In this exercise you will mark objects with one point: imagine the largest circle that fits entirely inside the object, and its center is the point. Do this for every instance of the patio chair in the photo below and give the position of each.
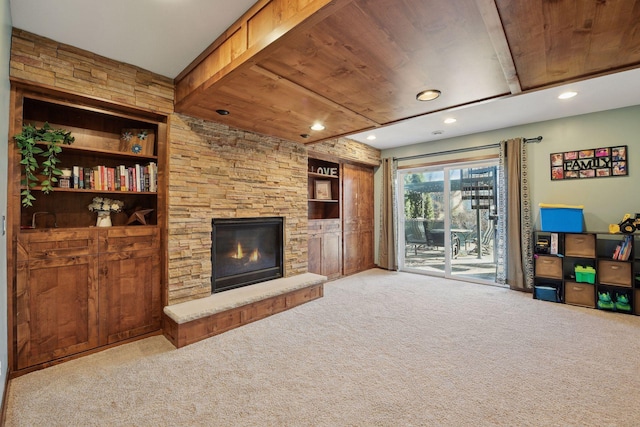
(415, 236)
(436, 239)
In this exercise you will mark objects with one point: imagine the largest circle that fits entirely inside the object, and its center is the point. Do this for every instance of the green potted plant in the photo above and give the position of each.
(44, 142)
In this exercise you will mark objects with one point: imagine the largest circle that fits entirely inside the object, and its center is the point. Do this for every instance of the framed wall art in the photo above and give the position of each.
(323, 190)
(591, 163)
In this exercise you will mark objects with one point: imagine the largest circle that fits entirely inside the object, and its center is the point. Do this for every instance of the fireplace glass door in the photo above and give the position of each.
(246, 251)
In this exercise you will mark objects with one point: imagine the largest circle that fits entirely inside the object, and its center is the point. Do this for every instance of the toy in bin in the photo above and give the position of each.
(542, 245)
(585, 274)
(604, 301)
(622, 303)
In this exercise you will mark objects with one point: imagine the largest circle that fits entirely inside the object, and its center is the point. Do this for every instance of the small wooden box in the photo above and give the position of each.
(549, 266)
(580, 294)
(616, 273)
(137, 141)
(580, 245)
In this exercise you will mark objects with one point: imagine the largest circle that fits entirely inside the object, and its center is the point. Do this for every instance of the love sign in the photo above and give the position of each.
(331, 171)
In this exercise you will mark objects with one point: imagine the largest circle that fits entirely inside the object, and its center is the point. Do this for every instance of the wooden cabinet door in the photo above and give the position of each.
(129, 283)
(56, 296)
(314, 244)
(332, 255)
(350, 251)
(325, 248)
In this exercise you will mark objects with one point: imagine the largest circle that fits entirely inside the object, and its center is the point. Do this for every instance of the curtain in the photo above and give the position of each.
(518, 233)
(387, 242)
(501, 223)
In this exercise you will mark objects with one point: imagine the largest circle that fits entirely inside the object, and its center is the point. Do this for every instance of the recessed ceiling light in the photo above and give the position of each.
(304, 135)
(222, 112)
(317, 126)
(428, 95)
(567, 95)
(371, 137)
(450, 120)
(437, 132)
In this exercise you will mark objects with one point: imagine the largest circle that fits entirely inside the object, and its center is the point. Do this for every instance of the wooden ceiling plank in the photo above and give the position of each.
(554, 42)
(271, 106)
(374, 57)
(309, 93)
(615, 34)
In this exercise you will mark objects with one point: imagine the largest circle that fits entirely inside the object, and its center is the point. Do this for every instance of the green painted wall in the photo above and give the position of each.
(605, 200)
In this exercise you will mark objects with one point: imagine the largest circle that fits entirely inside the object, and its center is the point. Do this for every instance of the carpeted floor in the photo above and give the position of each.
(380, 349)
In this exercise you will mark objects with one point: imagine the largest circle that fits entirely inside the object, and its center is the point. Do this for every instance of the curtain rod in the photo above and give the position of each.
(464, 150)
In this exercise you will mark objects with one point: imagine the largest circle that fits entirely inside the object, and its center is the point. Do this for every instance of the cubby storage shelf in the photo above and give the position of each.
(585, 269)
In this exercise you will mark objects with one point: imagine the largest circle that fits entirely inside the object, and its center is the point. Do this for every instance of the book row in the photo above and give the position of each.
(137, 178)
(623, 250)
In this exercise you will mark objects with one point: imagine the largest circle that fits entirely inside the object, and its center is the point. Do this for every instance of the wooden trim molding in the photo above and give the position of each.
(448, 162)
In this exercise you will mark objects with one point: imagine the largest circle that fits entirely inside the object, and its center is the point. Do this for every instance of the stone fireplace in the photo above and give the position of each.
(220, 172)
(245, 251)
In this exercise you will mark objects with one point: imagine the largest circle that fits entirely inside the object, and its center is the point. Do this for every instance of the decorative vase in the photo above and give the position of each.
(104, 219)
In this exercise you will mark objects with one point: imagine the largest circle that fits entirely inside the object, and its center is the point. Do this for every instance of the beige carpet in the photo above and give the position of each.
(380, 349)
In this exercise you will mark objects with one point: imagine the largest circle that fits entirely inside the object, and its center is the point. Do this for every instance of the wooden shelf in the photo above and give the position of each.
(91, 190)
(324, 201)
(321, 175)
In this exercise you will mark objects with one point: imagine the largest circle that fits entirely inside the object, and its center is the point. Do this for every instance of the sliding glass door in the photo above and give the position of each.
(447, 218)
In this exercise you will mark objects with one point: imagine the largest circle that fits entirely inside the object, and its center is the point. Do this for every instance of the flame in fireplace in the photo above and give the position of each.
(255, 256)
(239, 254)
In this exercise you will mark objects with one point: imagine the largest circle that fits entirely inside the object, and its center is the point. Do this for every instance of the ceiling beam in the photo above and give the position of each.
(491, 18)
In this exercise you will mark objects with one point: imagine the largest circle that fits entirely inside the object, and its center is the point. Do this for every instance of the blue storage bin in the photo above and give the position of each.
(561, 218)
(546, 293)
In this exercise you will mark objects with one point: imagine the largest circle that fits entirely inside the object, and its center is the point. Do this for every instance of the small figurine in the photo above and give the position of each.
(604, 301)
(622, 303)
(139, 216)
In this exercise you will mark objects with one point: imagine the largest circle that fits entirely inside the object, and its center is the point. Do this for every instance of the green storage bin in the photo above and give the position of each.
(585, 274)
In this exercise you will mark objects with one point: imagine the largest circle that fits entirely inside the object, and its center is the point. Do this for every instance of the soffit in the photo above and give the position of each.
(358, 64)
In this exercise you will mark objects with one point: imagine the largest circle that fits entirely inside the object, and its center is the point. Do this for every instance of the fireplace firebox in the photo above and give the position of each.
(245, 251)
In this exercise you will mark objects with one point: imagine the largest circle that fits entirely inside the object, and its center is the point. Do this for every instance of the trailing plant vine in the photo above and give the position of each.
(44, 142)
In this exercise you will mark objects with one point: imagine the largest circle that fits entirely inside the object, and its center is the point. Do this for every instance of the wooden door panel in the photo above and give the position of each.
(349, 197)
(350, 254)
(57, 243)
(315, 254)
(365, 240)
(129, 294)
(56, 309)
(365, 196)
(123, 239)
(332, 255)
